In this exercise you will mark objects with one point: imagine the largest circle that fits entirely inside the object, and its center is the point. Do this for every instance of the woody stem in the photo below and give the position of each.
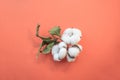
(37, 31)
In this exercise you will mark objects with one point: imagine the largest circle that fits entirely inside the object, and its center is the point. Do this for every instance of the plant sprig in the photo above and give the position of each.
(48, 42)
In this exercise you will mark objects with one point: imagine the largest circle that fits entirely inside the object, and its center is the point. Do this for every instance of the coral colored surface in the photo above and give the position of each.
(99, 21)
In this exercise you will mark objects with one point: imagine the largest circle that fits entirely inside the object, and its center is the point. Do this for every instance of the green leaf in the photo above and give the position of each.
(47, 49)
(46, 40)
(55, 31)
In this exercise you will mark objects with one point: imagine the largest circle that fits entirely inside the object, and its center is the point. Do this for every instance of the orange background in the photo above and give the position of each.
(99, 21)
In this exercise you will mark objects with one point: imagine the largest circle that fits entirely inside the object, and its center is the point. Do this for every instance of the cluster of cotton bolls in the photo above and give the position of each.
(69, 46)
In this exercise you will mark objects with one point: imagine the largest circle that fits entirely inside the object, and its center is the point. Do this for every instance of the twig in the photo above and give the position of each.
(37, 31)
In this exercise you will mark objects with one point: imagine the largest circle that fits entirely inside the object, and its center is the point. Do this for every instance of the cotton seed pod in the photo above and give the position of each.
(62, 53)
(62, 45)
(59, 51)
(69, 59)
(71, 36)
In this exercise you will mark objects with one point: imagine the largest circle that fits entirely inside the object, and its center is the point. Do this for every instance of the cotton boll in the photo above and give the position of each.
(73, 51)
(71, 36)
(69, 59)
(77, 32)
(55, 49)
(62, 44)
(74, 39)
(62, 53)
(56, 57)
(66, 38)
(59, 53)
